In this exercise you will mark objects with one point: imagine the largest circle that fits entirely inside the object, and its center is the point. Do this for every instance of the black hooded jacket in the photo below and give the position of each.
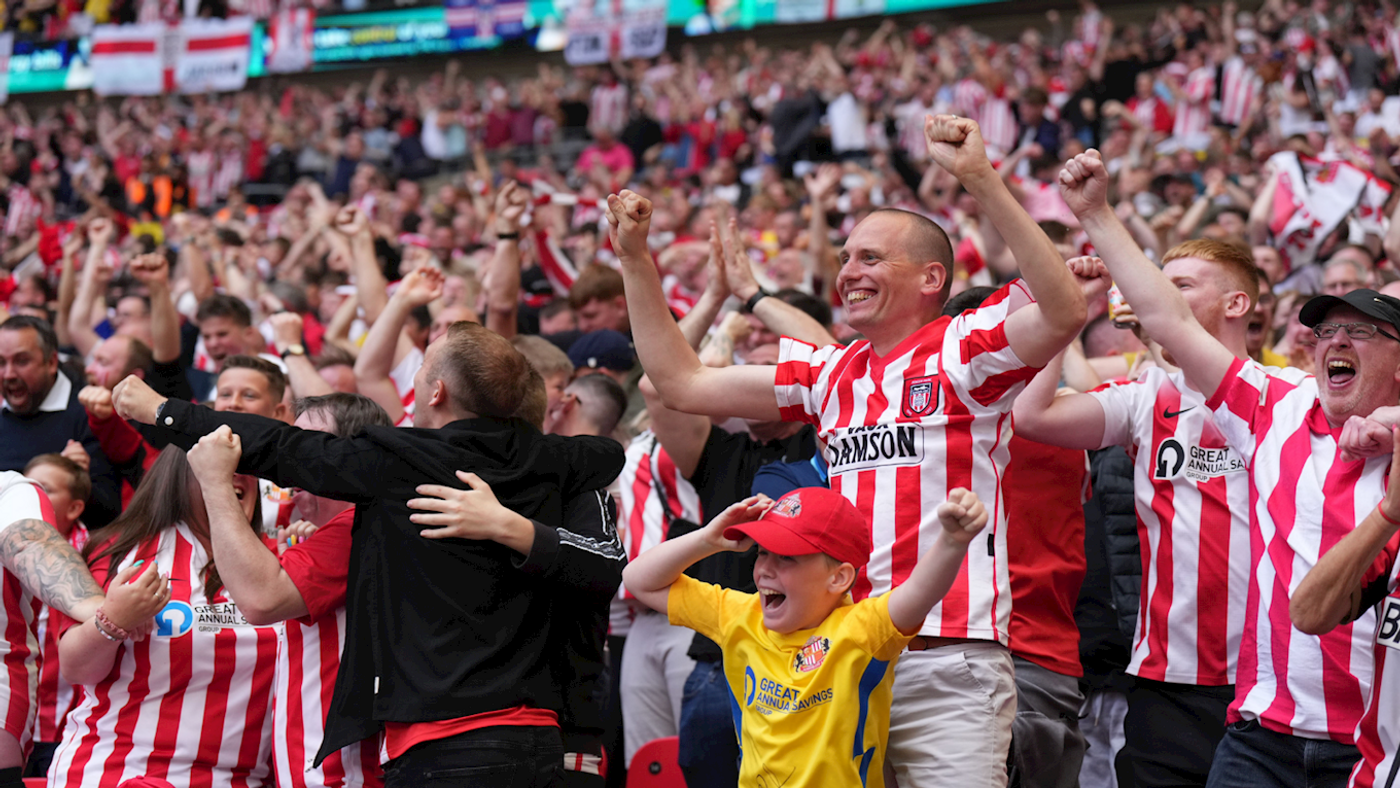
(435, 629)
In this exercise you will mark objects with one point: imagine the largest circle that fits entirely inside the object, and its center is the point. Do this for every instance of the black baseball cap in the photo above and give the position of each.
(1368, 302)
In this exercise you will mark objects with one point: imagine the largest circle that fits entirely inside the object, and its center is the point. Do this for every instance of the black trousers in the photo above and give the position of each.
(1171, 732)
(505, 756)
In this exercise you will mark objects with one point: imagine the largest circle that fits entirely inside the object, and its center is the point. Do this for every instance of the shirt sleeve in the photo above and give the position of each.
(798, 382)
(1376, 584)
(977, 358)
(320, 566)
(703, 607)
(585, 554)
(1244, 404)
(24, 500)
(1120, 402)
(869, 627)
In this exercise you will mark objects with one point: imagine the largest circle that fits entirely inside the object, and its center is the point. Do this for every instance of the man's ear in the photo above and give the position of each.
(281, 412)
(439, 395)
(935, 279)
(1237, 305)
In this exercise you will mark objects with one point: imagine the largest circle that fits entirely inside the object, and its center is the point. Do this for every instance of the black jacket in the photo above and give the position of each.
(435, 629)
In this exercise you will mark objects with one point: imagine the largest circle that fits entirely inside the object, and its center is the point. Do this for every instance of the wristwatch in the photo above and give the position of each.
(293, 350)
(748, 306)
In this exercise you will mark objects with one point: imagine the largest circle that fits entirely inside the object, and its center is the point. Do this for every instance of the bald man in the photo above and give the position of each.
(918, 408)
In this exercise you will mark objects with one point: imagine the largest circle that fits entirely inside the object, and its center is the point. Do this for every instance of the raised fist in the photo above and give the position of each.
(100, 231)
(97, 401)
(955, 144)
(1084, 184)
(629, 219)
(153, 270)
(286, 329)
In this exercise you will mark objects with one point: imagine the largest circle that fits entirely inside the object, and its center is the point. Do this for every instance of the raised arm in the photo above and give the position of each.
(502, 282)
(1342, 584)
(96, 273)
(254, 576)
(67, 288)
(301, 373)
(1039, 331)
(370, 284)
(153, 270)
(1157, 302)
(696, 323)
(288, 456)
(649, 576)
(683, 382)
(779, 316)
(421, 286)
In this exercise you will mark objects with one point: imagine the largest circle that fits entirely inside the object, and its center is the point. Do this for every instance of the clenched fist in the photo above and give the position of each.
(1084, 184)
(134, 400)
(955, 144)
(629, 220)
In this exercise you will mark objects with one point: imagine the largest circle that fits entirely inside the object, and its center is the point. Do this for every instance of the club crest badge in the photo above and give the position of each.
(787, 506)
(811, 655)
(920, 396)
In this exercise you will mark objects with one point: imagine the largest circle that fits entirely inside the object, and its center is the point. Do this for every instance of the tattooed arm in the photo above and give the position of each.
(50, 568)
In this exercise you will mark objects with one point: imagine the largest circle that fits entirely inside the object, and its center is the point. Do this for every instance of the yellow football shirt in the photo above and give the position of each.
(812, 708)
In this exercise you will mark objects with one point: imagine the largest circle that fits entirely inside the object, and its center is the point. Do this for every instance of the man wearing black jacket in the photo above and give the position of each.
(446, 639)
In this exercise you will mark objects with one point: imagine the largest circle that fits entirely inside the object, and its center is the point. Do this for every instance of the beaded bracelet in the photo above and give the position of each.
(104, 624)
(103, 632)
(1381, 511)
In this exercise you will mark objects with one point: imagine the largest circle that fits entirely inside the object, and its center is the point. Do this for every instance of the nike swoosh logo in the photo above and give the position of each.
(1167, 413)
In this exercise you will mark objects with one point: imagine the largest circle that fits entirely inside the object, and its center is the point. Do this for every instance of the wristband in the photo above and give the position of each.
(753, 301)
(507, 236)
(1381, 511)
(116, 635)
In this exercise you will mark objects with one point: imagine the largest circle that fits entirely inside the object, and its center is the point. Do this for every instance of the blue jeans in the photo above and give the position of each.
(1252, 756)
(709, 749)
(503, 756)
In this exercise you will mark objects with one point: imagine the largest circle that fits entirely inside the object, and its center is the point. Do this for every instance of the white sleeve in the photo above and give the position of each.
(22, 499)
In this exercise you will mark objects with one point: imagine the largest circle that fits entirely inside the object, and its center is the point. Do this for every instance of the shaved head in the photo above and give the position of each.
(924, 241)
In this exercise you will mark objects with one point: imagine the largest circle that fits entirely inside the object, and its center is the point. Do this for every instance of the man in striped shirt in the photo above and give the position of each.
(1298, 697)
(919, 408)
(1192, 500)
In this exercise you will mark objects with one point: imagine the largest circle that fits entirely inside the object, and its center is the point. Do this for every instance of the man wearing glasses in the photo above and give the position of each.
(1191, 492)
(1298, 697)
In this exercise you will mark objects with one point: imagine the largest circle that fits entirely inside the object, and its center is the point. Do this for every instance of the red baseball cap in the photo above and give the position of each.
(810, 520)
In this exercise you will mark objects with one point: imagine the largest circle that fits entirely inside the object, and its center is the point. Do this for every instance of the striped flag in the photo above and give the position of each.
(127, 60)
(213, 55)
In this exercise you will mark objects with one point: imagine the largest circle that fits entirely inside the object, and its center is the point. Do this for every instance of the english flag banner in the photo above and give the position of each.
(128, 60)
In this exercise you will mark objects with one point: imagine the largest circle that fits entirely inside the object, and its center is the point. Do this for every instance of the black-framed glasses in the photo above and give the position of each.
(1354, 331)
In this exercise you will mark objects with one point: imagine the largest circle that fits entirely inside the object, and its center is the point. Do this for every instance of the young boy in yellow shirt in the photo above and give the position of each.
(810, 671)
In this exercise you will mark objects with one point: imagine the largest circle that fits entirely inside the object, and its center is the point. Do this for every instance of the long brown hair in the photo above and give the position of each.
(163, 500)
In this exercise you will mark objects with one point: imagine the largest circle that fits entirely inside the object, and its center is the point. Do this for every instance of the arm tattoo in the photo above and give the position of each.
(49, 567)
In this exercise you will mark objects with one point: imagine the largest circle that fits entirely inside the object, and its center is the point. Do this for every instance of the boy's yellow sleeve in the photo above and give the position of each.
(869, 627)
(703, 607)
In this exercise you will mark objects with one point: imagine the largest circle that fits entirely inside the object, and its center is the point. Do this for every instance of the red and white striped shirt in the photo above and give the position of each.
(641, 519)
(308, 661)
(1239, 88)
(1192, 497)
(56, 696)
(901, 431)
(1153, 113)
(1378, 734)
(1193, 108)
(20, 499)
(402, 378)
(1303, 500)
(191, 702)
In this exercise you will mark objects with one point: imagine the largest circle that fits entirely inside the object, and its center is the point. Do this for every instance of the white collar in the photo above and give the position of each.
(57, 399)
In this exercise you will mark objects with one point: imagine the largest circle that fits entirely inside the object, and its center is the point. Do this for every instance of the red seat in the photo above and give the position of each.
(655, 766)
(36, 782)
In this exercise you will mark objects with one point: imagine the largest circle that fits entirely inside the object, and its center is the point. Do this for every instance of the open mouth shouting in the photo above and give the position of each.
(1340, 372)
(772, 600)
